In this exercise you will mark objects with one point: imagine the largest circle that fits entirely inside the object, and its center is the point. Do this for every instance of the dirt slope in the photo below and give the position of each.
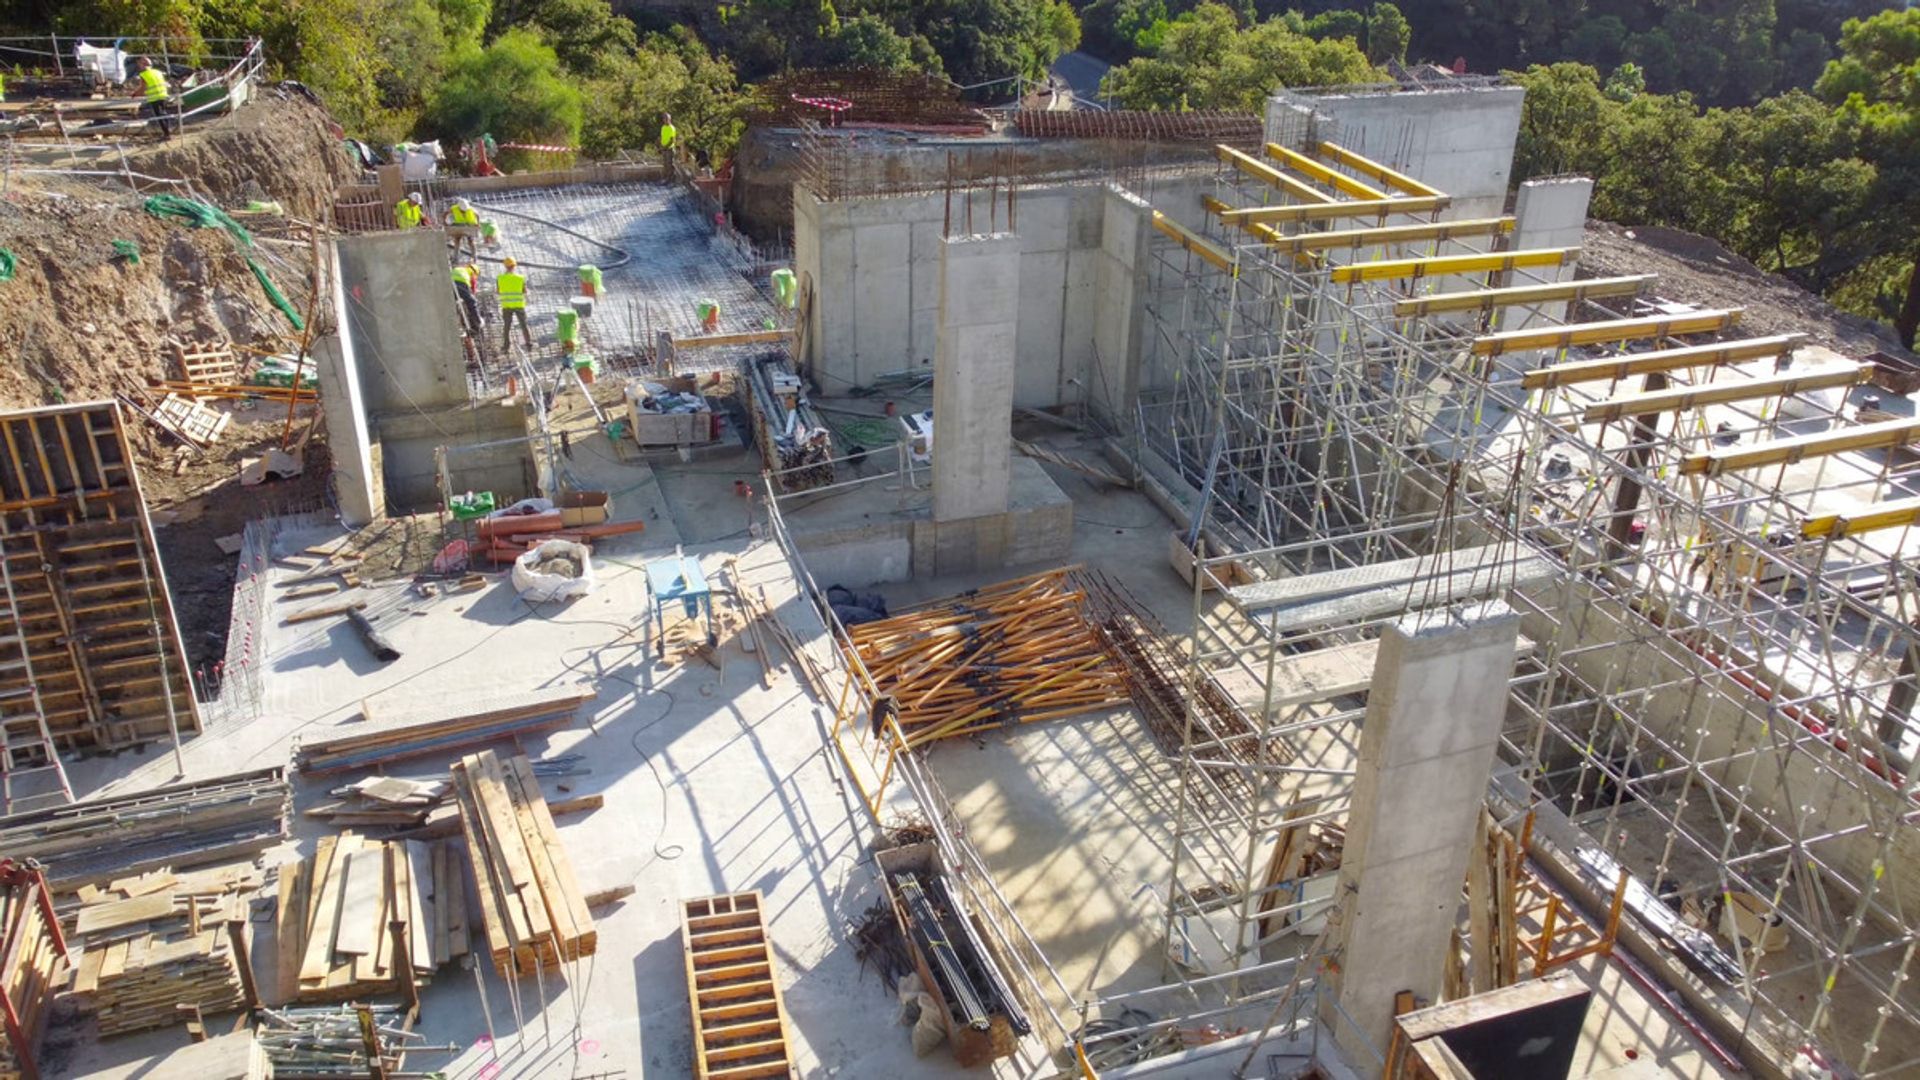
(1697, 270)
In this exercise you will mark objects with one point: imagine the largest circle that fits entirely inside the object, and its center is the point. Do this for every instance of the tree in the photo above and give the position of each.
(513, 88)
(1388, 34)
(1875, 86)
(1597, 42)
(868, 41)
(585, 34)
(1562, 120)
(1626, 83)
(1208, 61)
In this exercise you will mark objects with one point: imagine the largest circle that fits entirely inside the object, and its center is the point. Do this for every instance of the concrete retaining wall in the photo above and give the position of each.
(400, 316)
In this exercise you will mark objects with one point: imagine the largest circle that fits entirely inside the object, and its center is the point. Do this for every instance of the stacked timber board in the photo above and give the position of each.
(91, 603)
(34, 959)
(1018, 652)
(501, 716)
(337, 909)
(739, 1021)
(534, 911)
(150, 942)
(179, 826)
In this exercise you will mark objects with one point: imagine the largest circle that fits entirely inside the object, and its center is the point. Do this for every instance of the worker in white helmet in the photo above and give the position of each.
(463, 227)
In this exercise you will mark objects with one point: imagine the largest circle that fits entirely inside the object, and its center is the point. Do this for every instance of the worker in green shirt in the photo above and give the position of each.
(154, 94)
(668, 135)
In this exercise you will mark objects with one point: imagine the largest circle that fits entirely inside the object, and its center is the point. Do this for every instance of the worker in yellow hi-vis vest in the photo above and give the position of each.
(669, 135)
(463, 227)
(154, 94)
(408, 213)
(511, 286)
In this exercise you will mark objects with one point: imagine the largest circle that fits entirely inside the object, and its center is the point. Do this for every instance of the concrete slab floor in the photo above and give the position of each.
(712, 783)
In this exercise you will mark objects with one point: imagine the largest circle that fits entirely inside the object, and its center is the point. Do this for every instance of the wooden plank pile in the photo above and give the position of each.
(34, 959)
(337, 909)
(152, 941)
(382, 800)
(410, 731)
(1018, 652)
(178, 826)
(739, 1020)
(535, 914)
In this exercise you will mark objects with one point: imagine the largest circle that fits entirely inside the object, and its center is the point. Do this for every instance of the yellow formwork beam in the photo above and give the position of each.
(1335, 179)
(1390, 234)
(1892, 514)
(1690, 397)
(1621, 367)
(1518, 295)
(1438, 265)
(1194, 242)
(1884, 435)
(1565, 337)
(1381, 209)
(1271, 176)
(1399, 181)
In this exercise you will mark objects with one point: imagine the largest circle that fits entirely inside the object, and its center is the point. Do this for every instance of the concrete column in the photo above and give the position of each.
(1426, 753)
(1126, 236)
(973, 376)
(356, 478)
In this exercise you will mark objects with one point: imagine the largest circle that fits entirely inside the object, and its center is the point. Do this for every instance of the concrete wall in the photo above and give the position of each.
(1458, 140)
(401, 318)
(975, 374)
(356, 476)
(408, 442)
(1120, 314)
(875, 268)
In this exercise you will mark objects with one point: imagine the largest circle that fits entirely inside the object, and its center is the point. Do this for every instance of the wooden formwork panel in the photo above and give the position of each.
(739, 1020)
(90, 600)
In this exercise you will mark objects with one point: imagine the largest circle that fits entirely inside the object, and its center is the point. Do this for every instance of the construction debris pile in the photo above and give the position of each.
(1018, 652)
(534, 912)
(403, 732)
(794, 440)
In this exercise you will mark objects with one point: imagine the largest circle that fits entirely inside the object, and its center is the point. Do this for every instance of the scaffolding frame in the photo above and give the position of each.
(1709, 685)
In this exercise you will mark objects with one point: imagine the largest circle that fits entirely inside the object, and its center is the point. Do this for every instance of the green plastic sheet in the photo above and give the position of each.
(198, 215)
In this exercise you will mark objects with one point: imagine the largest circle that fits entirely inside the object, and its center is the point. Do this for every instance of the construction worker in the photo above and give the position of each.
(668, 135)
(463, 224)
(490, 233)
(153, 93)
(465, 280)
(511, 286)
(409, 213)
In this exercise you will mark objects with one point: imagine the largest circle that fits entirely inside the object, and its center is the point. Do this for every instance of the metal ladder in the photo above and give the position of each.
(14, 636)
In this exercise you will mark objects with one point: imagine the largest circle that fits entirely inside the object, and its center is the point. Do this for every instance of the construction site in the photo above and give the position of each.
(1079, 595)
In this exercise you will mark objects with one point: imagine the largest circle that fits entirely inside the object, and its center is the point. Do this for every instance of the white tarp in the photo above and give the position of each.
(109, 63)
(538, 588)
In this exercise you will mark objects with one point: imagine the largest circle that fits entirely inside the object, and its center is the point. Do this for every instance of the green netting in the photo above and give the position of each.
(128, 250)
(198, 215)
(6, 265)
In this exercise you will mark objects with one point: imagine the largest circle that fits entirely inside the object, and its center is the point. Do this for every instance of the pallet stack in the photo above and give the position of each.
(739, 1020)
(34, 955)
(337, 910)
(1021, 651)
(535, 914)
(153, 941)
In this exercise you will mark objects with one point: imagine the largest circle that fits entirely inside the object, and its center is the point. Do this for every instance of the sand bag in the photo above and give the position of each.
(554, 570)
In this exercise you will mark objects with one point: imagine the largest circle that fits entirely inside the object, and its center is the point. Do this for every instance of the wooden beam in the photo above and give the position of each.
(1892, 514)
(1620, 367)
(1565, 337)
(1884, 435)
(1391, 234)
(1690, 397)
(1381, 209)
(1194, 242)
(751, 337)
(1438, 265)
(1340, 181)
(1271, 176)
(1518, 295)
(1394, 179)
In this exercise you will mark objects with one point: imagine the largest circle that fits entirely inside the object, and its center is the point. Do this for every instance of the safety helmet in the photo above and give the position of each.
(413, 197)
(508, 262)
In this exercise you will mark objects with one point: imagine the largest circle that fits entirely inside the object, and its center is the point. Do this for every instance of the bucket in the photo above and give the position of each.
(567, 326)
(786, 287)
(590, 280)
(709, 310)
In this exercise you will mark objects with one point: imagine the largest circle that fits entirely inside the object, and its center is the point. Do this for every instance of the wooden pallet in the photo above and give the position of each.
(192, 421)
(205, 364)
(739, 1020)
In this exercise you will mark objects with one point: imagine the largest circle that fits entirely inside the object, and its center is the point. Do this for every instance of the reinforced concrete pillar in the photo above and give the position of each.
(1426, 754)
(1548, 214)
(973, 375)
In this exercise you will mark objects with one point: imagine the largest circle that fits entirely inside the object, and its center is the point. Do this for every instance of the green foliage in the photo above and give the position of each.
(1209, 61)
(868, 41)
(585, 34)
(513, 88)
(1388, 33)
(1626, 83)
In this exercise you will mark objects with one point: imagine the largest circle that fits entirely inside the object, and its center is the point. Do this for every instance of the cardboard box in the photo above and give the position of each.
(583, 507)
